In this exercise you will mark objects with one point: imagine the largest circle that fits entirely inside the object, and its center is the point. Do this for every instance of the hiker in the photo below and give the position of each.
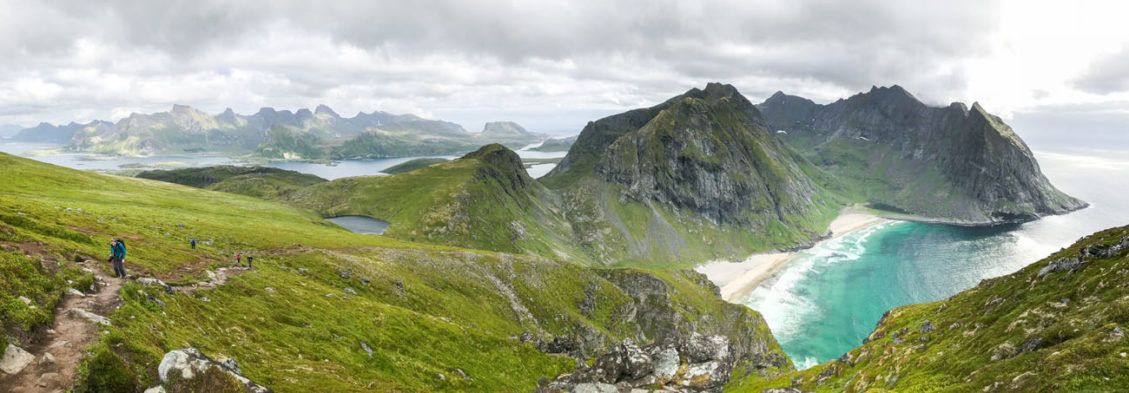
(117, 257)
(238, 258)
(192, 243)
(249, 260)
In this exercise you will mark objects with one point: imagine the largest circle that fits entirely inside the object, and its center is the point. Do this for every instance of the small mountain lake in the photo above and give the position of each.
(361, 224)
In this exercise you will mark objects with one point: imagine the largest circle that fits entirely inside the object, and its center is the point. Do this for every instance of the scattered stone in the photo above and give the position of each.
(269, 289)
(350, 291)
(49, 381)
(345, 273)
(89, 316)
(156, 389)
(462, 374)
(15, 359)
(1117, 333)
(153, 282)
(705, 348)
(303, 270)
(927, 326)
(525, 337)
(366, 348)
(47, 361)
(440, 377)
(25, 300)
(75, 292)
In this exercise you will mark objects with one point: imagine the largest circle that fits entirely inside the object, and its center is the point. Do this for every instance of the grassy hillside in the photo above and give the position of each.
(430, 314)
(1056, 325)
(484, 200)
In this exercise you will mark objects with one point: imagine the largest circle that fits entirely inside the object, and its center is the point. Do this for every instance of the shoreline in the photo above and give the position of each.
(737, 279)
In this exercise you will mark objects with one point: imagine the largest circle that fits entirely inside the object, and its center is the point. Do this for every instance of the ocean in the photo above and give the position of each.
(827, 299)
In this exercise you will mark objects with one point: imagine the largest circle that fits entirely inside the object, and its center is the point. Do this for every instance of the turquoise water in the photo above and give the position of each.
(828, 299)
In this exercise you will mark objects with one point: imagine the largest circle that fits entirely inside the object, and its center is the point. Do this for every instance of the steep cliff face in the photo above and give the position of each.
(698, 176)
(1056, 325)
(953, 163)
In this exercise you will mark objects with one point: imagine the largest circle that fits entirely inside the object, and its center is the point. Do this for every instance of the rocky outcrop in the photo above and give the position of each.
(702, 363)
(669, 351)
(954, 164)
(189, 367)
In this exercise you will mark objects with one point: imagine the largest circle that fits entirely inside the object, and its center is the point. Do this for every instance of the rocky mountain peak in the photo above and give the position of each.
(502, 164)
(325, 110)
(503, 128)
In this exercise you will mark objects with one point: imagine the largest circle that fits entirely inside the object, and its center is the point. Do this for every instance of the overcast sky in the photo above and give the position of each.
(553, 65)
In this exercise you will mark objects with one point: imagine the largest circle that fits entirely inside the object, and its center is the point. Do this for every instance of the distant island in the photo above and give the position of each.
(320, 134)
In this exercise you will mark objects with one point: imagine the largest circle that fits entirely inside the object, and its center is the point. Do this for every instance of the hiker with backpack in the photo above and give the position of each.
(117, 257)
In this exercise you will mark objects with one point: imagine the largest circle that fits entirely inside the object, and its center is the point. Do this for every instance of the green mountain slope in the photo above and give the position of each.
(484, 200)
(694, 178)
(1056, 325)
(435, 318)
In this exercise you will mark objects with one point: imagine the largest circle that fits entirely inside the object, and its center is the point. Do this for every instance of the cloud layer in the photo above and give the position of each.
(552, 65)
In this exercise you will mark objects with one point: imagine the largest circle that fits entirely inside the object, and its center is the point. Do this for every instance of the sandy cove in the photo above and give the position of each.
(738, 279)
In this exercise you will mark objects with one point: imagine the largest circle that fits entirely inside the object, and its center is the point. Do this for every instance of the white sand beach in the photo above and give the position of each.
(737, 279)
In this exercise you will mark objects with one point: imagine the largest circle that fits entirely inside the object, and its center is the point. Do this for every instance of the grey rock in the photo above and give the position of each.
(15, 359)
(595, 388)
(89, 316)
(49, 381)
(350, 291)
(187, 363)
(702, 348)
(366, 348)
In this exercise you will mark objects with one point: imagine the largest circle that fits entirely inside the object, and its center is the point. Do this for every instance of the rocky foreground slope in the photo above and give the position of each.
(954, 164)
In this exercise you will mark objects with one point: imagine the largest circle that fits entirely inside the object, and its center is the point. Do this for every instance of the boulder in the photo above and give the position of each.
(187, 363)
(15, 359)
(89, 316)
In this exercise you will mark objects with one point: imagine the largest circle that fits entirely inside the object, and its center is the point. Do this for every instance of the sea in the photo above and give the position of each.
(827, 299)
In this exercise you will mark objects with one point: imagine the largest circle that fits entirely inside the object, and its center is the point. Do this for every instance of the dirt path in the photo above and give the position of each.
(74, 330)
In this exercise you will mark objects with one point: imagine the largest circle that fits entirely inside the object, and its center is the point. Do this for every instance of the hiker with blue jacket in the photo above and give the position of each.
(117, 257)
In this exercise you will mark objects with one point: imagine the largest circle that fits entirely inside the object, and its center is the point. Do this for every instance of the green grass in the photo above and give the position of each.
(424, 309)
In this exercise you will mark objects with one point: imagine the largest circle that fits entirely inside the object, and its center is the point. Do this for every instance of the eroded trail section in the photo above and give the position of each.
(78, 320)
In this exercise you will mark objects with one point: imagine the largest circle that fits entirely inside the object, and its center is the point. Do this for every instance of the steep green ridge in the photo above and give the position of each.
(484, 200)
(1056, 325)
(429, 314)
(413, 165)
(694, 178)
(952, 164)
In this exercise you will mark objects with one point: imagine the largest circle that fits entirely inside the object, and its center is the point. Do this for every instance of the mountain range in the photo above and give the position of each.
(270, 133)
(708, 175)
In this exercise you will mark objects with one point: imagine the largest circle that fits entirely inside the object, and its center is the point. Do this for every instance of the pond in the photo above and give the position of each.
(361, 224)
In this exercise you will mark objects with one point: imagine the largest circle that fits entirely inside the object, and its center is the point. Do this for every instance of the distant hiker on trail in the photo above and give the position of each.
(117, 257)
(249, 260)
(192, 243)
(238, 258)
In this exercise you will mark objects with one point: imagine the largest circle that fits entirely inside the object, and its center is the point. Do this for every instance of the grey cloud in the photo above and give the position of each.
(437, 53)
(1107, 75)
